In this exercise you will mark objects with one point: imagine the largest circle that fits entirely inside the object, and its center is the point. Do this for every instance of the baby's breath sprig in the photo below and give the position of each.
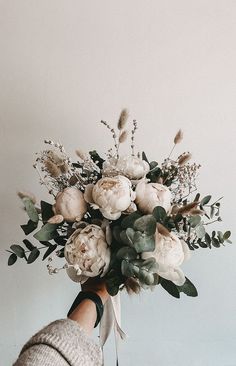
(135, 126)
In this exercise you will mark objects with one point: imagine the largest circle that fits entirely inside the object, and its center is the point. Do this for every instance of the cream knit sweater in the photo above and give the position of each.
(61, 343)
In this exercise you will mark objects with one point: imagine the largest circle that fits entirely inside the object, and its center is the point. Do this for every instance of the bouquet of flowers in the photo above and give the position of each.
(128, 219)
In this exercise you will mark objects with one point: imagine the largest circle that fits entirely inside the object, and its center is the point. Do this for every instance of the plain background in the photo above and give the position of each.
(64, 66)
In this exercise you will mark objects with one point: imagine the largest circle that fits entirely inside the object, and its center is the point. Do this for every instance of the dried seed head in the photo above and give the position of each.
(52, 168)
(27, 195)
(63, 168)
(162, 230)
(184, 158)
(54, 157)
(178, 137)
(132, 286)
(187, 208)
(123, 136)
(196, 211)
(123, 119)
(81, 154)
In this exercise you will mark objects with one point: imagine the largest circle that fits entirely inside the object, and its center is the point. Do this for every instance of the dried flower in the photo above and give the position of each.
(123, 136)
(187, 208)
(178, 137)
(27, 195)
(123, 119)
(132, 286)
(184, 158)
(52, 168)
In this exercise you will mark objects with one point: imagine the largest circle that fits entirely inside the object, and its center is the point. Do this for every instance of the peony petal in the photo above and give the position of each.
(88, 193)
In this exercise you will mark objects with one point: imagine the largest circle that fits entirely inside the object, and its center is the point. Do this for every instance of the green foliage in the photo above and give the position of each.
(205, 200)
(18, 250)
(96, 158)
(160, 214)
(126, 253)
(47, 232)
(188, 288)
(143, 242)
(50, 249)
(33, 255)
(30, 209)
(12, 259)
(46, 211)
(146, 224)
(29, 227)
(170, 287)
(129, 220)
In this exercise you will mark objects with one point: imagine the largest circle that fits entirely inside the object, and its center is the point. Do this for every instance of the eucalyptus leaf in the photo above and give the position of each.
(170, 287)
(207, 239)
(227, 234)
(220, 237)
(160, 214)
(146, 277)
(47, 232)
(205, 200)
(129, 220)
(194, 221)
(28, 244)
(33, 255)
(144, 157)
(126, 236)
(49, 251)
(46, 211)
(200, 231)
(188, 288)
(18, 250)
(126, 253)
(143, 242)
(29, 227)
(146, 224)
(30, 209)
(215, 243)
(127, 268)
(12, 259)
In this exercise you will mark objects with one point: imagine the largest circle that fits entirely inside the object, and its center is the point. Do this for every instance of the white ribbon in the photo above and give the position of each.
(111, 319)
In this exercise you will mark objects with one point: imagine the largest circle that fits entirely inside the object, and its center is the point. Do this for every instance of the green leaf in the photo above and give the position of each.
(144, 157)
(160, 214)
(188, 288)
(126, 236)
(220, 237)
(126, 253)
(28, 244)
(12, 259)
(127, 268)
(205, 200)
(129, 220)
(170, 287)
(30, 209)
(194, 220)
(29, 227)
(49, 251)
(200, 231)
(33, 255)
(46, 211)
(18, 250)
(227, 234)
(208, 239)
(146, 277)
(215, 243)
(96, 158)
(47, 232)
(146, 224)
(143, 243)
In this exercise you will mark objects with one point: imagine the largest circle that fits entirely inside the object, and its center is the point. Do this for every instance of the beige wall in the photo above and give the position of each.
(65, 65)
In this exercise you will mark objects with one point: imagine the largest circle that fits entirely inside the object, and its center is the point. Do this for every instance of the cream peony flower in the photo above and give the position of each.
(170, 252)
(111, 196)
(150, 195)
(87, 253)
(70, 204)
(131, 167)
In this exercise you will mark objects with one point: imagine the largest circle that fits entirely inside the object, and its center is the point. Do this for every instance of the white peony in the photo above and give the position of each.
(70, 204)
(111, 196)
(170, 252)
(87, 253)
(131, 167)
(150, 195)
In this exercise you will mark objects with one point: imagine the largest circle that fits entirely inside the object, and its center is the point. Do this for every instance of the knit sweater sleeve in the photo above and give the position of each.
(61, 343)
